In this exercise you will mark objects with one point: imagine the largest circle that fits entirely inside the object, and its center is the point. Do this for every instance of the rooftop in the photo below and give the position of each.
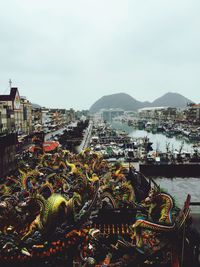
(152, 108)
(11, 96)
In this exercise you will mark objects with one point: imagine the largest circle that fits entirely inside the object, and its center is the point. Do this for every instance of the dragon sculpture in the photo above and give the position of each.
(111, 215)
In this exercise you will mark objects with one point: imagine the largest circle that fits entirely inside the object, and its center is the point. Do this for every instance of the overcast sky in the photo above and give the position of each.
(62, 53)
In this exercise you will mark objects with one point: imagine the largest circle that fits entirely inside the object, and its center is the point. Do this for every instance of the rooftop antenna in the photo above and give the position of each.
(10, 83)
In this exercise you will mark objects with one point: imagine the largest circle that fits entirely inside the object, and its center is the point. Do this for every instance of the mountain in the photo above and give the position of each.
(171, 100)
(120, 100)
(127, 102)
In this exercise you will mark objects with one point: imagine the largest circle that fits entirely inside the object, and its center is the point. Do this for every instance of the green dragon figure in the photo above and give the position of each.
(55, 210)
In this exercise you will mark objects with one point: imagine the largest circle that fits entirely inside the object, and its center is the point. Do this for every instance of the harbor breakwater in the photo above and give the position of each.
(171, 170)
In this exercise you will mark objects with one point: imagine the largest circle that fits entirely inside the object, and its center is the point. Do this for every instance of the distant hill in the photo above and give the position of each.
(172, 100)
(127, 102)
(120, 100)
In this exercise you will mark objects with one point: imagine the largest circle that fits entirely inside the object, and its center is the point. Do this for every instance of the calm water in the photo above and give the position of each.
(177, 187)
(180, 187)
(159, 140)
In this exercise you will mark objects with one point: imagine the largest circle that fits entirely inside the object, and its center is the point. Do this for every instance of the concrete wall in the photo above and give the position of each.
(171, 170)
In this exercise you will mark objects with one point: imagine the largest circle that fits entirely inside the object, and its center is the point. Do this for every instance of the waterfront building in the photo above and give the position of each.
(193, 113)
(61, 117)
(158, 113)
(151, 112)
(9, 103)
(109, 114)
(3, 118)
(45, 117)
(23, 117)
(7, 153)
(82, 114)
(51, 119)
(15, 113)
(71, 115)
(36, 116)
(15, 119)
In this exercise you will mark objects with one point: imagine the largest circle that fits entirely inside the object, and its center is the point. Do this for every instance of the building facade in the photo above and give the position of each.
(193, 113)
(109, 114)
(15, 113)
(158, 113)
(7, 153)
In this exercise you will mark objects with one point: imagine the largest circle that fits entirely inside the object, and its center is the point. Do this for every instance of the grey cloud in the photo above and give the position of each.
(81, 50)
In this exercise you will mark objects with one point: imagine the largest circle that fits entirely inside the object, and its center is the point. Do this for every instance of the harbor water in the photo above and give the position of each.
(159, 140)
(177, 187)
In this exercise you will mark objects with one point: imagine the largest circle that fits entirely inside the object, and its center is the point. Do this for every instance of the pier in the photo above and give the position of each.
(171, 170)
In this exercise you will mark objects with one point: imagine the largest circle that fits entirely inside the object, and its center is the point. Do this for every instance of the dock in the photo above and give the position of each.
(171, 170)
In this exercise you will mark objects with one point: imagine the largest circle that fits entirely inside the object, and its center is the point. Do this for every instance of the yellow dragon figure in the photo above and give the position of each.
(73, 168)
(5, 190)
(56, 209)
(25, 177)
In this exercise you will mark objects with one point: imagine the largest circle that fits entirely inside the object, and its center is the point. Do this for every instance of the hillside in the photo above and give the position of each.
(171, 100)
(128, 103)
(120, 100)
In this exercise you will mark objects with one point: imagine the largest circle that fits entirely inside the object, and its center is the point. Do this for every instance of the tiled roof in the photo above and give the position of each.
(195, 106)
(9, 97)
